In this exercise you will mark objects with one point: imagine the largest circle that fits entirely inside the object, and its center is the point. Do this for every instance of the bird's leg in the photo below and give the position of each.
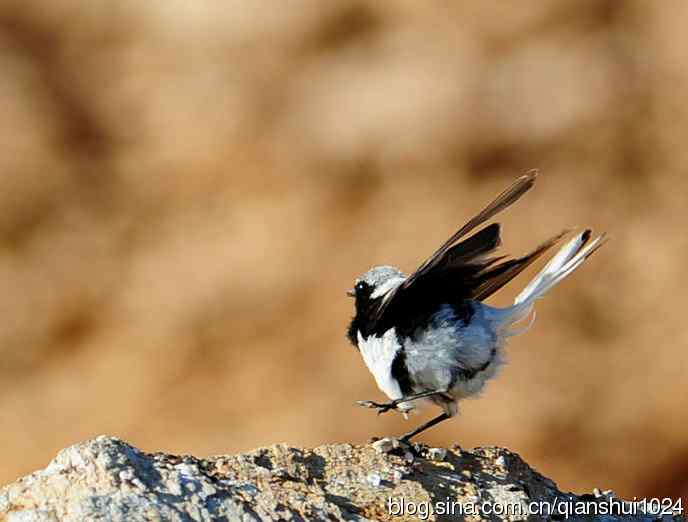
(432, 422)
(383, 407)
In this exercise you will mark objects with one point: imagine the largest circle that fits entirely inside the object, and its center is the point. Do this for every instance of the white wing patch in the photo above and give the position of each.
(378, 354)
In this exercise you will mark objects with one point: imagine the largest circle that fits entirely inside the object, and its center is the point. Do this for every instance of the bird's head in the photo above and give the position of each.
(375, 283)
(367, 291)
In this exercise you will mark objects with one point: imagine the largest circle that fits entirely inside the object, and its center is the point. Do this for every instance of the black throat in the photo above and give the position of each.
(362, 322)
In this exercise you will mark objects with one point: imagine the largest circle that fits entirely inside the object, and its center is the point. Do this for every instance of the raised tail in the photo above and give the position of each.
(569, 257)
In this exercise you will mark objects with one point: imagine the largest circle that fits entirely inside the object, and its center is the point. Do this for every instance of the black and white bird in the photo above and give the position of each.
(430, 336)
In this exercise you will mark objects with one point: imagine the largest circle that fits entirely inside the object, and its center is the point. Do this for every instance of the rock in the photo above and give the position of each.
(107, 479)
(385, 445)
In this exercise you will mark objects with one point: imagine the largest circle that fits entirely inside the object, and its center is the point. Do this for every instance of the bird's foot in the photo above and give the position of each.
(381, 407)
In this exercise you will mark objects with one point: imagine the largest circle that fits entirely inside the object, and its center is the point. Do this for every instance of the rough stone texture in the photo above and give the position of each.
(107, 479)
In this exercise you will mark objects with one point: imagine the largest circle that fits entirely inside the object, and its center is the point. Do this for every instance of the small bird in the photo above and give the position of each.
(430, 336)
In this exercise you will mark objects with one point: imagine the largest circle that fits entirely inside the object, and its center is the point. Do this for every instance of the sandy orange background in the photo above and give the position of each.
(188, 189)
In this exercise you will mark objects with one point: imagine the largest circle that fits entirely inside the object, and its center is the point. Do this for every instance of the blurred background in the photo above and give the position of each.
(188, 190)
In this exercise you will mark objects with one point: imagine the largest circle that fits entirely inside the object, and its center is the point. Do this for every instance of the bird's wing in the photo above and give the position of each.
(463, 270)
(504, 200)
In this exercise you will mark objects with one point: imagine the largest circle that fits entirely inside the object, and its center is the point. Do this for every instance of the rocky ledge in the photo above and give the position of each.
(107, 479)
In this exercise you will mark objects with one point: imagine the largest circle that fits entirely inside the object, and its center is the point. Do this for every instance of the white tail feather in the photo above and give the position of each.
(512, 331)
(569, 257)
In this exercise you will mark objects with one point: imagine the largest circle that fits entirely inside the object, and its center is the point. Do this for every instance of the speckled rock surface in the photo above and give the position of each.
(107, 479)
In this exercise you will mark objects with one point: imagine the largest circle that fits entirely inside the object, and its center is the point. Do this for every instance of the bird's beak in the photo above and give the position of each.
(351, 293)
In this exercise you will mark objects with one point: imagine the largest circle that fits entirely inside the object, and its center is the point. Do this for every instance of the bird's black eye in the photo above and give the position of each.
(360, 286)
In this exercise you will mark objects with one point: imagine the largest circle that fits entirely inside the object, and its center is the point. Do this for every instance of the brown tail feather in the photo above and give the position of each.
(497, 276)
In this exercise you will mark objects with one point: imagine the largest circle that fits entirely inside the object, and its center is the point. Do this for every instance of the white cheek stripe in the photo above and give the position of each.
(387, 286)
(378, 354)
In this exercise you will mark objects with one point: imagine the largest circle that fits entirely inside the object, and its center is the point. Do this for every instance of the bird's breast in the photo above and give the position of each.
(378, 354)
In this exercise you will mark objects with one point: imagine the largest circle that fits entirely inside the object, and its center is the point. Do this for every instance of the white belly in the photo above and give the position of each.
(378, 354)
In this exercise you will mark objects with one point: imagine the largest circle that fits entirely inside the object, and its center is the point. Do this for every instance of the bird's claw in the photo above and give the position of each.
(380, 407)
